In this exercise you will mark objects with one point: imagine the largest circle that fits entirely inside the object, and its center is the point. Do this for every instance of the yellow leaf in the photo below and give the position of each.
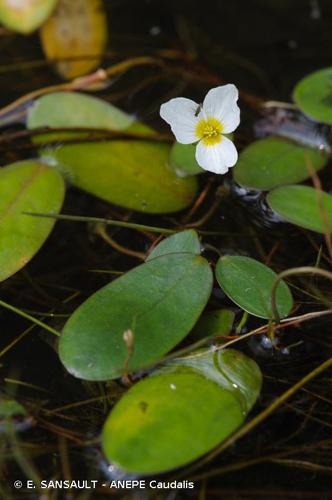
(75, 36)
(25, 16)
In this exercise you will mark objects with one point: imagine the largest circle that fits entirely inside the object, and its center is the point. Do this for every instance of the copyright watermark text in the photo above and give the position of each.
(91, 484)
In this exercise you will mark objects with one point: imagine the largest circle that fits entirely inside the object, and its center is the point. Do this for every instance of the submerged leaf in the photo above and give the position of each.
(313, 95)
(249, 283)
(159, 302)
(182, 159)
(75, 36)
(273, 162)
(13, 416)
(132, 174)
(178, 414)
(26, 186)
(213, 323)
(11, 408)
(304, 206)
(25, 16)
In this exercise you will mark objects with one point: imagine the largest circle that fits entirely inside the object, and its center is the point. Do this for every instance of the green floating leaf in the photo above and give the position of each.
(132, 174)
(178, 414)
(27, 186)
(169, 420)
(73, 109)
(213, 323)
(182, 242)
(273, 162)
(230, 369)
(304, 206)
(313, 95)
(249, 283)
(158, 301)
(182, 159)
(25, 16)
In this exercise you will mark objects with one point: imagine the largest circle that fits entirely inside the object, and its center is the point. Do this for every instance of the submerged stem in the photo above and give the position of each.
(242, 322)
(101, 231)
(291, 272)
(81, 83)
(107, 222)
(30, 318)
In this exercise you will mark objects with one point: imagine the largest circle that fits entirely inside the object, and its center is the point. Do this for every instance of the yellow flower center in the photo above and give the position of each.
(209, 131)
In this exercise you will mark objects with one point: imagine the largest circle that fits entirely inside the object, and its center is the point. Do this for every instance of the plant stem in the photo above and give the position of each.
(259, 418)
(107, 222)
(101, 231)
(291, 272)
(242, 323)
(30, 318)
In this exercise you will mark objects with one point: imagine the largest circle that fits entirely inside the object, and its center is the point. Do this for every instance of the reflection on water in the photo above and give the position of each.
(255, 204)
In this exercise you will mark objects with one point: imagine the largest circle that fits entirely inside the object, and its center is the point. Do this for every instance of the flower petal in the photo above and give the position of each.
(218, 158)
(220, 103)
(179, 113)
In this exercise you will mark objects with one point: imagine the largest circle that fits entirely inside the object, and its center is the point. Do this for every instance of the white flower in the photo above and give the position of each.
(206, 124)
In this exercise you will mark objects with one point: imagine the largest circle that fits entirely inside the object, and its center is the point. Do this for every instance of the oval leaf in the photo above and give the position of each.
(273, 162)
(73, 109)
(304, 206)
(75, 36)
(313, 95)
(249, 283)
(216, 323)
(27, 186)
(25, 16)
(143, 436)
(159, 302)
(132, 174)
(183, 242)
(182, 159)
(229, 368)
